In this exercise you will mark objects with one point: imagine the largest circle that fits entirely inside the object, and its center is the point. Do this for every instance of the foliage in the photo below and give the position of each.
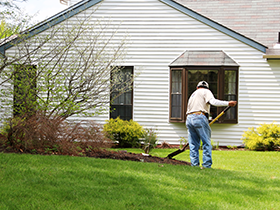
(149, 140)
(212, 144)
(72, 66)
(13, 19)
(183, 141)
(126, 133)
(265, 137)
(38, 134)
(231, 147)
(6, 30)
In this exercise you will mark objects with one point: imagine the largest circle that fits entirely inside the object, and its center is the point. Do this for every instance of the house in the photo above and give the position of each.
(234, 45)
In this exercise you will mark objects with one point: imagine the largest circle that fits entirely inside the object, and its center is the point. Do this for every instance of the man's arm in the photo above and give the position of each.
(216, 102)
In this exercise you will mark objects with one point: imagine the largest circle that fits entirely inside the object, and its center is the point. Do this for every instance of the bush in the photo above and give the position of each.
(42, 135)
(149, 140)
(265, 137)
(127, 133)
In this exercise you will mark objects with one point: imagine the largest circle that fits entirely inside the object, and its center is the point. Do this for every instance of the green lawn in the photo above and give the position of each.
(238, 180)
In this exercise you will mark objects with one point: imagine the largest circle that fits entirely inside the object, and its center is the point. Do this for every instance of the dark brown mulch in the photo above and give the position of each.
(122, 155)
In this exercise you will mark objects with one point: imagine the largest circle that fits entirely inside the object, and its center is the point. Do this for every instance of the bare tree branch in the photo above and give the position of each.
(74, 64)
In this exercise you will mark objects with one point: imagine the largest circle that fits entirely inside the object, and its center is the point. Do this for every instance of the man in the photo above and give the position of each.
(197, 123)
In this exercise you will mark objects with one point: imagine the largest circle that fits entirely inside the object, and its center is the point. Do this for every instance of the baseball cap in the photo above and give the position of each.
(203, 84)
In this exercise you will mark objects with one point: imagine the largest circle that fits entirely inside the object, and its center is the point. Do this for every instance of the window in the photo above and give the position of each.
(24, 90)
(122, 94)
(223, 82)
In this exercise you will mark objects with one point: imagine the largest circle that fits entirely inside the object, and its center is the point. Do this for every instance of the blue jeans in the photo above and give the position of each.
(198, 128)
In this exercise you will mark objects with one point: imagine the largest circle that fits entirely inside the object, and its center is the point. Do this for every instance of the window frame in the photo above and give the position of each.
(183, 92)
(132, 94)
(220, 91)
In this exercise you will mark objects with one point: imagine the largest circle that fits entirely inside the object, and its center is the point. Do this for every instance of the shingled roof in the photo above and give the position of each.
(255, 19)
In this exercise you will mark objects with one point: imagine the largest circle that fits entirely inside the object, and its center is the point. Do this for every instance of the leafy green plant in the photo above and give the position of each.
(126, 133)
(212, 144)
(149, 140)
(231, 147)
(265, 137)
(215, 146)
(183, 141)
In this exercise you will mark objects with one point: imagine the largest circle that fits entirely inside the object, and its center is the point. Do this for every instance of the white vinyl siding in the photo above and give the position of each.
(159, 34)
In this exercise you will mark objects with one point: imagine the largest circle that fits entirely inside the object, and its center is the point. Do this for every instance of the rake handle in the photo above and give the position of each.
(221, 114)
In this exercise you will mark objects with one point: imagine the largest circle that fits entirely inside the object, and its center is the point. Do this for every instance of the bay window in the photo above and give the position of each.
(222, 80)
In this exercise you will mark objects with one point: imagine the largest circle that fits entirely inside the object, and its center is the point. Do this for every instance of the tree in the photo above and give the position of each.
(10, 11)
(6, 31)
(72, 67)
(13, 19)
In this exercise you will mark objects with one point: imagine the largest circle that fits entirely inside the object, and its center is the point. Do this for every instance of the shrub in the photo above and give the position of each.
(183, 141)
(127, 133)
(212, 144)
(149, 140)
(265, 137)
(42, 135)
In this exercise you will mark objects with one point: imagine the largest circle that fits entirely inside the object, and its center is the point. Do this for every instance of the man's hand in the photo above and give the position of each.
(232, 103)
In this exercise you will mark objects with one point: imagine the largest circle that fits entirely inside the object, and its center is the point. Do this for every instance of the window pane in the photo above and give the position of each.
(176, 105)
(128, 97)
(122, 105)
(121, 99)
(176, 94)
(122, 111)
(230, 82)
(114, 111)
(176, 81)
(230, 92)
(211, 77)
(115, 99)
(128, 112)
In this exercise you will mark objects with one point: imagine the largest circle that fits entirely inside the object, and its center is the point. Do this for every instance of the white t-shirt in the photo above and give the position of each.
(201, 99)
(198, 101)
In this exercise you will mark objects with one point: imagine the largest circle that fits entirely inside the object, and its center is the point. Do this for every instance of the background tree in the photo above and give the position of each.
(13, 18)
(68, 68)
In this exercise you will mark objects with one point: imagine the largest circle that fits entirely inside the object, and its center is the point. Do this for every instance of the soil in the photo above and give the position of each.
(123, 155)
(128, 156)
(120, 155)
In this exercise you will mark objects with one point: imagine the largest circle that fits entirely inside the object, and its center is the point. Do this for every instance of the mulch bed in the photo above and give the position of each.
(123, 155)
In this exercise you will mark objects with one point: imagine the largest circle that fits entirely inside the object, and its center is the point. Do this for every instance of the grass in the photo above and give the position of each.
(238, 180)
